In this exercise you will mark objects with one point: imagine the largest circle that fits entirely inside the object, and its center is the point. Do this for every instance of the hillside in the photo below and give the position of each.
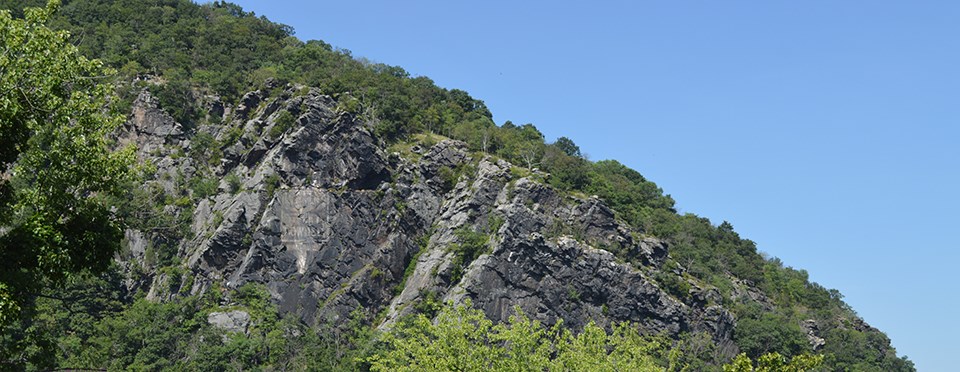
(295, 202)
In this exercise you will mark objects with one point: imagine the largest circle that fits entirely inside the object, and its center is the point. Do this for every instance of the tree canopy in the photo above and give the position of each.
(57, 174)
(56, 169)
(463, 339)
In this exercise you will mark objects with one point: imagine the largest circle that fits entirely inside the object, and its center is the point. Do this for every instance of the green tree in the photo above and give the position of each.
(463, 339)
(774, 362)
(568, 147)
(56, 170)
(568, 172)
(217, 48)
(769, 332)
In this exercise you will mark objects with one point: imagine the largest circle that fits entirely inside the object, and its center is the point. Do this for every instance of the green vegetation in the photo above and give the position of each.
(56, 172)
(422, 243)
(203, 187)
(673, 284)
(774, 362)
(177, 99)
(283, 123)
(471, 245)
(220, 48)
(188, 51)
(769, 332)
(233, 183)
(463, 339)
(205, 149)
(272, 182)
(94, 326)
(148, 207)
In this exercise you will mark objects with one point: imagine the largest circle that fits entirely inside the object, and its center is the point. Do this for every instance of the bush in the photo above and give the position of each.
(282, 124)
(233, 183)
(205, 149)
(463, 339)
(472, 244)
(769, 333)
(271, 183)
(203, 187)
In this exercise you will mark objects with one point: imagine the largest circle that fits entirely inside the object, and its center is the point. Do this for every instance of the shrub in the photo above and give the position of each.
(472, 244)
(233, 183)
(281, 124)
(203, 187)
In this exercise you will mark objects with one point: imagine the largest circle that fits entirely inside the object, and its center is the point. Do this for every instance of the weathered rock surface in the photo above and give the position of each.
(812, 329)
(329, 222)
(230, 321)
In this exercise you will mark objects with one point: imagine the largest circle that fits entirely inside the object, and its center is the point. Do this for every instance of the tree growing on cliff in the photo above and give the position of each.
(57, 172)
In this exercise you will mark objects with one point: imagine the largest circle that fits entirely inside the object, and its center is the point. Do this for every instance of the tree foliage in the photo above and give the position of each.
(774, 362)
(188, 51)
(101, 328)
(463, 339)
(56, 170)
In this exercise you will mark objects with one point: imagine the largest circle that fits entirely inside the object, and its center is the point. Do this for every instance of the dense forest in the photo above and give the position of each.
(189, 55)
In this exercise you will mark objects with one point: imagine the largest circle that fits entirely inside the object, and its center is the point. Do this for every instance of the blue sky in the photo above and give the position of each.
(825, 131)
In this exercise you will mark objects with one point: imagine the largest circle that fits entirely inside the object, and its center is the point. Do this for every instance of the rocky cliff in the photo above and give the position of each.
(329, 191)
(312, 205)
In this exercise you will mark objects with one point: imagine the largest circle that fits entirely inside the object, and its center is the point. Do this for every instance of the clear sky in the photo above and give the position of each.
(826, 131)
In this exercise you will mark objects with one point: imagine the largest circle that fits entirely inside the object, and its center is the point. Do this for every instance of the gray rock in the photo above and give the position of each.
(812, 329)
(248, 102)
(137, 243)
(744, 292)
(563, 279)
(149, 119)
(230, 321)
(652, 251)
(214, 107)
(329, 223)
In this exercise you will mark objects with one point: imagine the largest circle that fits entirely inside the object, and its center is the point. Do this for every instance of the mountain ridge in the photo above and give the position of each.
(236, 183)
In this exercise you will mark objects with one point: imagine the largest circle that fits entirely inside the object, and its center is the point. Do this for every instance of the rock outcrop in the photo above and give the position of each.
(230, 321)
(328, 221)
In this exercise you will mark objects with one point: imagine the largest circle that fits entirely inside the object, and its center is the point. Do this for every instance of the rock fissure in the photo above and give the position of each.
(329, 223)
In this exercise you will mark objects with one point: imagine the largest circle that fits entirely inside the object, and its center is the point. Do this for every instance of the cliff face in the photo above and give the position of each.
(329, 220)
(335, 204)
